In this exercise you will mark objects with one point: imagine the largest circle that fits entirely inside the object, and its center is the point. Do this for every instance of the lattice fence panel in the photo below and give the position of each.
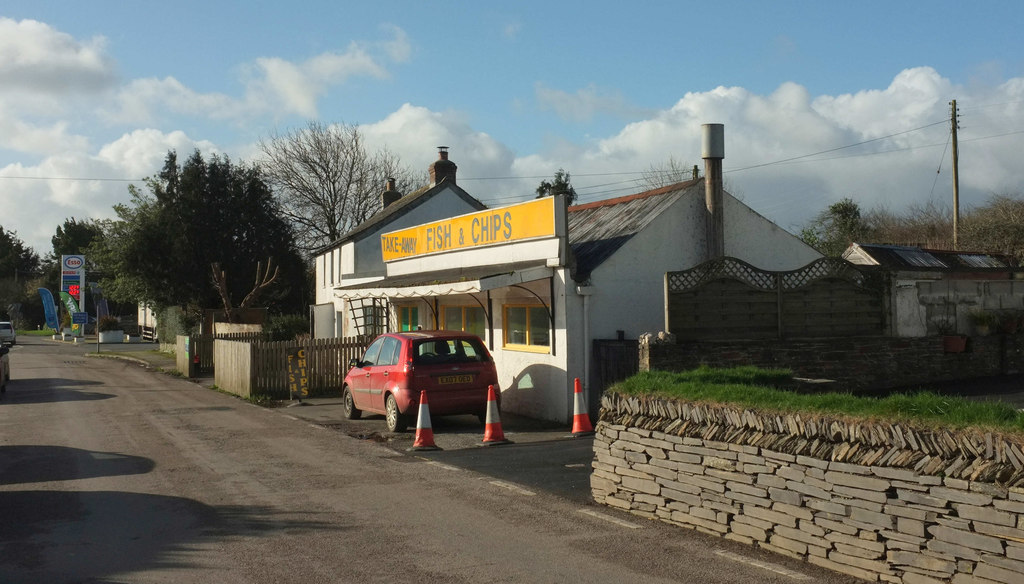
(729, 298)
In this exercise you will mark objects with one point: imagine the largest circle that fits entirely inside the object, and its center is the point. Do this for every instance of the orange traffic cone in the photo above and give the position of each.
(493, 435)
(424, 433)
(580, 418)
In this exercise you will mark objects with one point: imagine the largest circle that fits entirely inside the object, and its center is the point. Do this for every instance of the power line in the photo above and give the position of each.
(637, 174)
(72, 178)
(836, 149)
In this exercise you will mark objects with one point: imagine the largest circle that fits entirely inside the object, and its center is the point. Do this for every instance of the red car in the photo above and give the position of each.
(452, 366)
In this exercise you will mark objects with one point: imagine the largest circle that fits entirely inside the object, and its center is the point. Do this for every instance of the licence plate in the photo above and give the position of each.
(450, 379)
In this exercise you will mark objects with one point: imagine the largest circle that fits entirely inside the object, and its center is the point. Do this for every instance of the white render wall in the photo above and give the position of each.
(761, 243)
(442, 205)
(537, 385)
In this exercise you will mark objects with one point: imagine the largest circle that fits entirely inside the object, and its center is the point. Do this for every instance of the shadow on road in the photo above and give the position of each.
(50, 390)
(58, 536)
(34, 464)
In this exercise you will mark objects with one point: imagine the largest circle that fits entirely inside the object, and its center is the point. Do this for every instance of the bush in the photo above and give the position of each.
(108, 323)
(285, 327)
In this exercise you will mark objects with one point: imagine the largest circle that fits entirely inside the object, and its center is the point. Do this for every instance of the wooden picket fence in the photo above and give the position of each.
(201, 346)
(261, 368)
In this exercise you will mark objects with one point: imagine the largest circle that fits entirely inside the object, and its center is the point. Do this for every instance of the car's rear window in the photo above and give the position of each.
(6, 326)
(448, 351)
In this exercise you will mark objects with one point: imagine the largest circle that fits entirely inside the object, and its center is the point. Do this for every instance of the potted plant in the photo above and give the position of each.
(983, 321)
(109, 330)
(951, 341)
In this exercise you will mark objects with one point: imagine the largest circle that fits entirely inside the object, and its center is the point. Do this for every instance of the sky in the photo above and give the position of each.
(820, 100)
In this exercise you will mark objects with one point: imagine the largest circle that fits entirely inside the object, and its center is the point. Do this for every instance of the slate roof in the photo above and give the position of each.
(403, 205)
(904, 257)
(597, 230)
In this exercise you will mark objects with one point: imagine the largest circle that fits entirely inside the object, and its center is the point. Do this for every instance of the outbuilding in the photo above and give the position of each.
(540, 282)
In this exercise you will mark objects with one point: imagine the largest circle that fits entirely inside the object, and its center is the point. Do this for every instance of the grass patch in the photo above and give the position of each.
(754, 388)
(36, 333)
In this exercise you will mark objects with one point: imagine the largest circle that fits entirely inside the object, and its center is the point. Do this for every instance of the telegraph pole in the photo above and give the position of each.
(956, 179)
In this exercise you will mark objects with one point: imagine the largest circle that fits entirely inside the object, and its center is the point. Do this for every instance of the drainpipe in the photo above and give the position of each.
(585, 292)
(713, 151)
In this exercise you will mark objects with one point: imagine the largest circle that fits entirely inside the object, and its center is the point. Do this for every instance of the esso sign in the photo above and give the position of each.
(73, 262)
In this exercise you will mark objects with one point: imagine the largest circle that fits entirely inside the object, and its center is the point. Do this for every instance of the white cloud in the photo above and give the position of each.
(583, 105)
(511, 30)
(144, 100)
(37, 198)
(35, 58)
(272, 85)
(398, 49)
(414, 132)
(23, 136)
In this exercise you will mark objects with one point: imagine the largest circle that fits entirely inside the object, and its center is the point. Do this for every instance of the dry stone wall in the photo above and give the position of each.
(878, 501)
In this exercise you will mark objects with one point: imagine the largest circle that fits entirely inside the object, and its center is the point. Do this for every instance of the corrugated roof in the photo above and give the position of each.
(597, 230)
(904, 257)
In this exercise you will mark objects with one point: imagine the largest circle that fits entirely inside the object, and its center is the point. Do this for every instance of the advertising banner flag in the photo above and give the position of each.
(69, 302)
(50, 308)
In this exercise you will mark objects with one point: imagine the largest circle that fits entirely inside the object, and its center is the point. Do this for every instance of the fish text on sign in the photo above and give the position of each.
(439, 237)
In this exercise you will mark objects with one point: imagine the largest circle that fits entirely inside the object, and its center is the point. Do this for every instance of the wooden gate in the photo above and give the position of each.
(614, 360)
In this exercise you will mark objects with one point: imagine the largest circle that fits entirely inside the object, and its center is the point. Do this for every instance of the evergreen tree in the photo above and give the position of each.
(560, 185)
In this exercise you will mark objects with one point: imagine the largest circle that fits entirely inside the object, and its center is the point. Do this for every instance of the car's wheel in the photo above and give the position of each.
(395, 420)
(351, 411)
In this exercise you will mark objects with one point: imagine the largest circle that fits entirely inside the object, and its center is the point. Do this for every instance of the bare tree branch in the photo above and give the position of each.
(326, 180)
(263, 280)
(220, 280)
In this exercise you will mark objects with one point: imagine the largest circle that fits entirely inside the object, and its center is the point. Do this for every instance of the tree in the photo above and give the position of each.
(17, 260)
(996, 226)
(668, 173)
(203, 212)
(560, 185)
(834, 229)
(18, 265)
(326, 180)
(74, 236)
(70, 238)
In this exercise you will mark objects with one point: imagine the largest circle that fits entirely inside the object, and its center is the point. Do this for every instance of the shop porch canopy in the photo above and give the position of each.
(445, 283)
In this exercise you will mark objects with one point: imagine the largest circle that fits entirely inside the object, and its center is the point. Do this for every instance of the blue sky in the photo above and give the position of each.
(604, 90)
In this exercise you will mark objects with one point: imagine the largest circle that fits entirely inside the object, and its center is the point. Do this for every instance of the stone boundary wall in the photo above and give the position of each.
(878, 501)
(853, 362)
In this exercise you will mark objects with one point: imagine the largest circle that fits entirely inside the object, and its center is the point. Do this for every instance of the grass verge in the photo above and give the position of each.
(755, 388)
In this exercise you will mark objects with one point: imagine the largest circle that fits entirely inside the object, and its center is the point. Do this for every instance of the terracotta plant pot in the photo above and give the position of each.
(954, 343)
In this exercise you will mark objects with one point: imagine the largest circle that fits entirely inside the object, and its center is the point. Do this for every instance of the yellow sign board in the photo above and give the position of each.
(298, 373)
(491, 227)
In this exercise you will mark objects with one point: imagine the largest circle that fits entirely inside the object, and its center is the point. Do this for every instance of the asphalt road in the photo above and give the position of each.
(110, 472)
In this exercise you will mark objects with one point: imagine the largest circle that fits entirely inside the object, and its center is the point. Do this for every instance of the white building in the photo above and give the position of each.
(539, 282)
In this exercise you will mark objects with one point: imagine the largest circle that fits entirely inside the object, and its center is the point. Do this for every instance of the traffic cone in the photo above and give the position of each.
(424, 433)
(493, 435)
(580, 418)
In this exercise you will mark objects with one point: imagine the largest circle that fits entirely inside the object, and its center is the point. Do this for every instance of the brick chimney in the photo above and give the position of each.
(442, 168)
(390, 194)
